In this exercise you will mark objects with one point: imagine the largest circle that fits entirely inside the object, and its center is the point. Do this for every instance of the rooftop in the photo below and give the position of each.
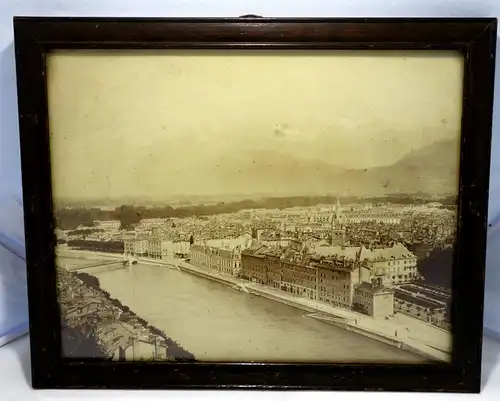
(243, 241)
(435, 296)
(397, 251)
(257, 249)
(417, 301)
(369, 287)
(350, 253)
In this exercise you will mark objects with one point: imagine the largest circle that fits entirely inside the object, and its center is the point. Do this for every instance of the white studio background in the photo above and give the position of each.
(10, 177)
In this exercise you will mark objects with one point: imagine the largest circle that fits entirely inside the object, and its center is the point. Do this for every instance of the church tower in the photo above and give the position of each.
(337, 229)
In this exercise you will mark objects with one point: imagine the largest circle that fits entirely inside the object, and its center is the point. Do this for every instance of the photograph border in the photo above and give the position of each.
(475, 38)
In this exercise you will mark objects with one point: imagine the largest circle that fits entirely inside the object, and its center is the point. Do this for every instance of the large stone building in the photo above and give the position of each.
(328, 279)
(298, 275)
(155, 246)
(181, 248)
(227, 261)
(107, 224)
(394, 265)
(424, 302)
(135, 245)
(421, 308)
(256, 265)
(159, 246)
(337, 277)
(331, 274)
(378, 218)
(151, 223)
(319, 218)
(374, 299)
(222, 260)
(223, 255)
(199, 255)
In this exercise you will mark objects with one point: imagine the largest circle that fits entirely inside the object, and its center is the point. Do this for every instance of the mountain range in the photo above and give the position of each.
(432, 169)
(246, 174)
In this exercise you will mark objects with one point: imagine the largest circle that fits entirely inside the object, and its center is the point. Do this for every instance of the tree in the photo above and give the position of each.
(128, 216)
(437, 267)
(88, 279)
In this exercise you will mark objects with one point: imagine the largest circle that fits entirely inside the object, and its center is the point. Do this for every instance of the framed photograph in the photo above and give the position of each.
(256, 202)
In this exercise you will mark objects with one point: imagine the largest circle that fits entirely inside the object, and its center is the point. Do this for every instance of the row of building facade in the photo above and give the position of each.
(380, 218)
(155, 245)
(223, 256)
(378, 282)
(143, 224)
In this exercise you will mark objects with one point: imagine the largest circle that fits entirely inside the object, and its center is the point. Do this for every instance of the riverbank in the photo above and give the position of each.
(95, 321)
(66, 252)
(401, 331)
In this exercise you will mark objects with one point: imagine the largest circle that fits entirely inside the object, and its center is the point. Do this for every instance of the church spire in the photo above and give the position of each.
(337, 230)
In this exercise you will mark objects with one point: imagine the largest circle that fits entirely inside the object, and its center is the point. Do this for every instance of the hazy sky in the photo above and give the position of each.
(129, 123)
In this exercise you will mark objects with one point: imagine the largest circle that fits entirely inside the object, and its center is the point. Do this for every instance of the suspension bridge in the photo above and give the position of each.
(96, 264)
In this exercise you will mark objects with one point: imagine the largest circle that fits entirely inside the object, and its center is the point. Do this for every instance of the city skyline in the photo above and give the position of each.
(128, 132)
(256, 276)
(180, 201)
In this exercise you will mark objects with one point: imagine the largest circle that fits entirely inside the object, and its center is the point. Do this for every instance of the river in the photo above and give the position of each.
(219, 324)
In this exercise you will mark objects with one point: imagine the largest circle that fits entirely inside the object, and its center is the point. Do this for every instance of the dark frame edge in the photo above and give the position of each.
(46, 367)
(44, 362)
(479, 87)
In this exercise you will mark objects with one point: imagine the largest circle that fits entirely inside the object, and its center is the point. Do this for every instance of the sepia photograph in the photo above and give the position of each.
(255, 206)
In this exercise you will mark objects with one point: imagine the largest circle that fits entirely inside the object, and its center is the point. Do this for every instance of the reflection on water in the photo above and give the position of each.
(218, 323)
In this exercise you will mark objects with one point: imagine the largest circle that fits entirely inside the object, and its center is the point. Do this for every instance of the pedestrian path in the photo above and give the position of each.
(412, 333)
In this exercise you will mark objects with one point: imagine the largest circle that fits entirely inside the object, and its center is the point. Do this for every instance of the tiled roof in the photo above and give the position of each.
(291, 255)
(346, 252)
(428, 293)
(371, 288)
(325, 253)
(397, 251)
(417, 301)
(229, 243)
(274, 251)
(226, 253)
(256, 249)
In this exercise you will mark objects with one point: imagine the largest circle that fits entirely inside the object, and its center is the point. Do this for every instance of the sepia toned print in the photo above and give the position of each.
(239, 206)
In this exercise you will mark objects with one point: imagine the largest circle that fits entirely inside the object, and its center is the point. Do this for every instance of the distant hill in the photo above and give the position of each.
(272, 173)
(435, 166)
(432, 169)
(251, 175)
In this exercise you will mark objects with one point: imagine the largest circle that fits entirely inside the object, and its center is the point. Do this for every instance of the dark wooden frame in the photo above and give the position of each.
(475, 38)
